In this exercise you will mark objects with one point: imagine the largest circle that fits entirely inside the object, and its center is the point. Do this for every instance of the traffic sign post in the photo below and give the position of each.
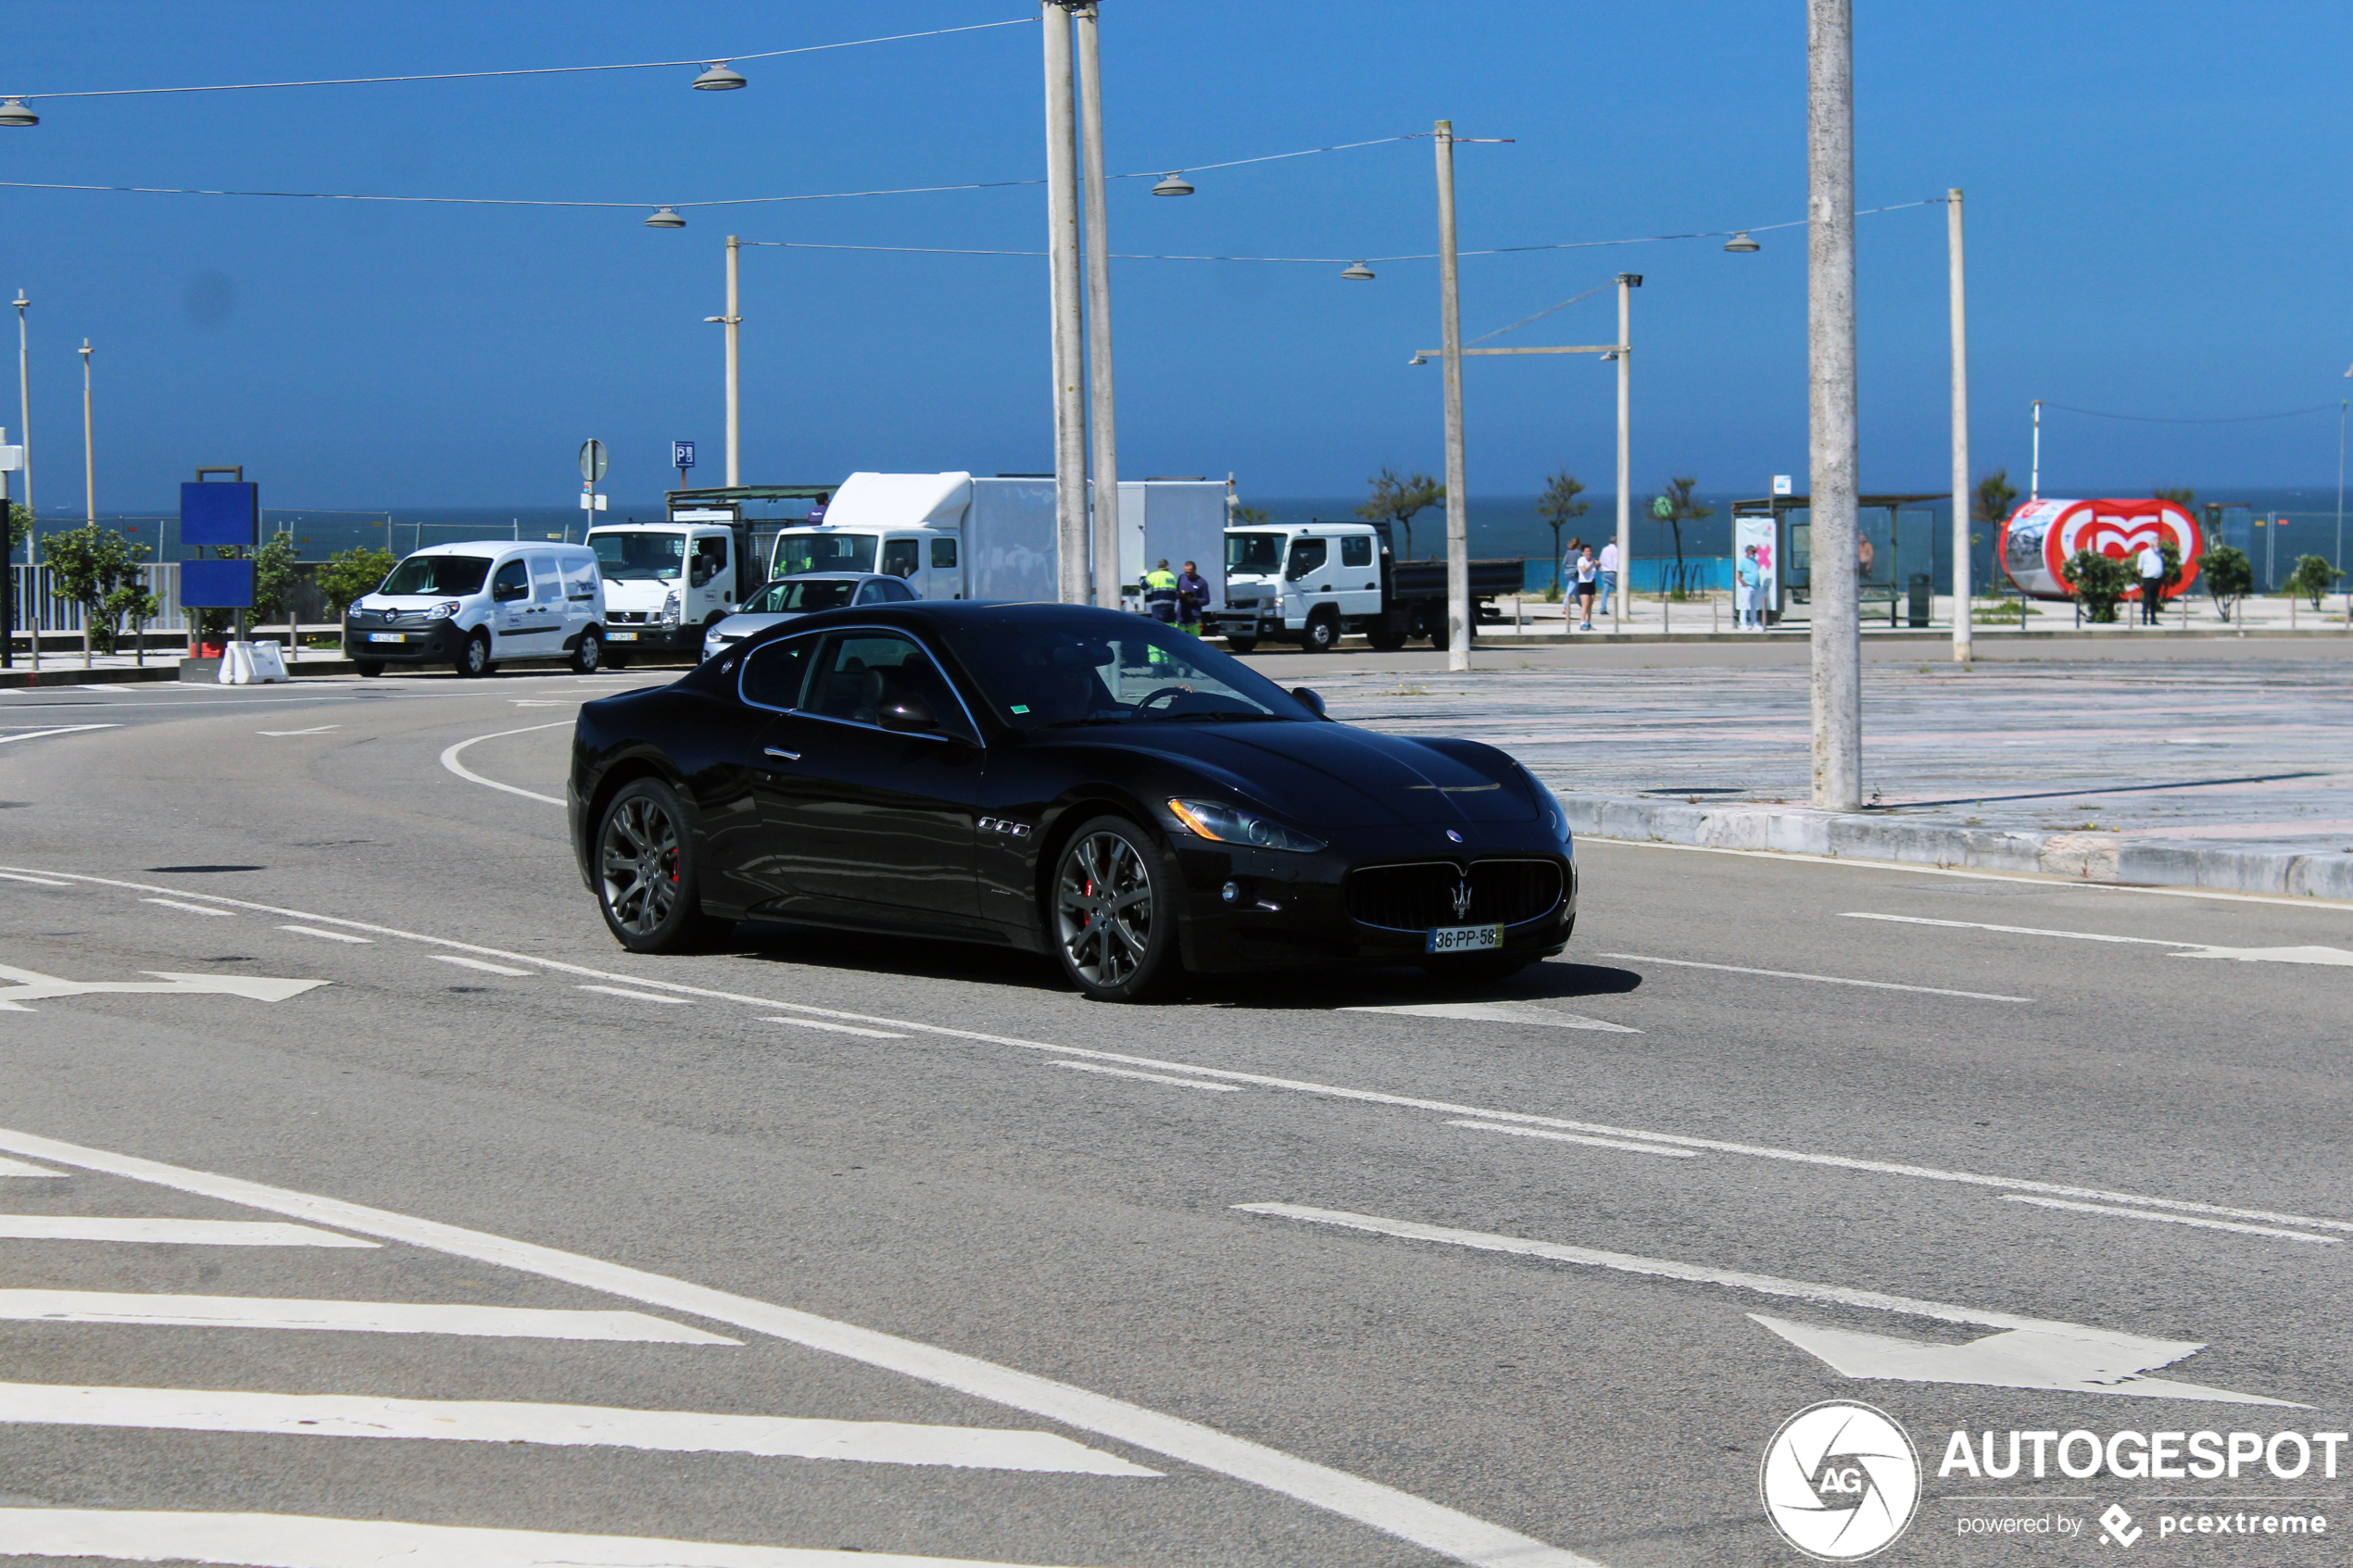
(226, 518)
(593, 461)
(682, 458)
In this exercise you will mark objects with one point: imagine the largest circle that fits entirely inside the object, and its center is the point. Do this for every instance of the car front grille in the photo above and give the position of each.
(627, 617)
(1417, 897)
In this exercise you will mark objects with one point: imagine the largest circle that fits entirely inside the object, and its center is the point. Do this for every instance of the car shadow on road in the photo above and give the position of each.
(1323, 989)
(921, 958)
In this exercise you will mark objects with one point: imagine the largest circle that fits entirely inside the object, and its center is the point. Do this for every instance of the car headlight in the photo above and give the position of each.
(1231, 824)
(670, 608)
(443, 610)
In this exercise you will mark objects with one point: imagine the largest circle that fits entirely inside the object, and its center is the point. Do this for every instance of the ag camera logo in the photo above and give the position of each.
(1840, 1481)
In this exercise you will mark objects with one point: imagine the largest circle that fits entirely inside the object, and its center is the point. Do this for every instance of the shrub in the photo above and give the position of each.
(2100, 582)
(2227, 575)
(2313, 576)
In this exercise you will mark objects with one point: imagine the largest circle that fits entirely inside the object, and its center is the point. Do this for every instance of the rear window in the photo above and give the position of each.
(456, 576)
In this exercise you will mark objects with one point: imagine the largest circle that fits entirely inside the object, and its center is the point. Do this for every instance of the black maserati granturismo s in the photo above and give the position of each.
(1060, 780)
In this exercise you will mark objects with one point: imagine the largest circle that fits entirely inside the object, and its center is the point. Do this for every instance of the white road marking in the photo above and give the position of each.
(36, 881)
(1149, 1077)
(484, 1421)
(1446, 1531)
(640, 995)
(190, 1232)
(1825, 978)
(1333, 1091)
(329, 936)
(477, 963)
(836, 1028)
(2168, 1219)
(188, 908)
(2273, 955)
(450, 760)
(1579, 1137)
(544, 702)
(2201, 949)
(2061, 1355)
(30, 985)
(61, 729)
(349, 1317)
(314, 729)
(289, 1541)
(19, 1168)
(1499, 1013)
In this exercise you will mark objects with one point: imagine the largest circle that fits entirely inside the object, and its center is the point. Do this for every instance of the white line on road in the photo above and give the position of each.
(476, 963)
(1579, 1137)
(450, 760)
(1825, 978)
(289, 1541)
(62, 730)
(1446, 1531)
(640, 995)
(1499, 1013)
(329, 936)
(314, 729)
(487, 1421)
(19, 1168)
(1149, 1077)
(350, 1317)
(836, 1028)
(188, 908)
(36, 881)
(2168, 1219)
(2319, 955)
(189, 1233)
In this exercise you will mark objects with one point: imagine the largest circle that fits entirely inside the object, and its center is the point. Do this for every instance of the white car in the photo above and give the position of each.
(472, 605)
(789, 598)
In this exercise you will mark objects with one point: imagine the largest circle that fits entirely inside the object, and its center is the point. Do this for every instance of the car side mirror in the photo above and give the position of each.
(909, 714)
(503, 591)
(1307, 697)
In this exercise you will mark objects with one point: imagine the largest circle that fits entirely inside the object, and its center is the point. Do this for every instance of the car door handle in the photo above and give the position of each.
(779, 752)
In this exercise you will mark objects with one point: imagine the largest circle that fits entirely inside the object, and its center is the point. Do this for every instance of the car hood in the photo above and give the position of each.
(1337, 775)
(744, 625)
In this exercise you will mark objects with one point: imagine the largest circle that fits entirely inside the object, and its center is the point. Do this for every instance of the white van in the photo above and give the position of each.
(474, 605)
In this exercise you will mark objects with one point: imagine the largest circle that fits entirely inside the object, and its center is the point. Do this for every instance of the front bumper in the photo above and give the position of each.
(432, 642)
(1244, 624)
(624, 636)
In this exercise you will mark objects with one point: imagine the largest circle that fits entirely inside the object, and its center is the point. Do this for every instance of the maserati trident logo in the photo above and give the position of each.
(1454, 837)
(1462, 900)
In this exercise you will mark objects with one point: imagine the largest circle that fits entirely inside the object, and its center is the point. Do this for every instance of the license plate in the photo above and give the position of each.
(387, 636)
(1465, 938)
(621, 636)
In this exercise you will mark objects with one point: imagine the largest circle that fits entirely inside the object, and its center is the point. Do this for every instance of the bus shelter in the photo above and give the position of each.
(1896, 553)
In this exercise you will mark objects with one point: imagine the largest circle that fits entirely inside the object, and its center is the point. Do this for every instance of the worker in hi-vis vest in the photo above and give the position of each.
(1159, 594)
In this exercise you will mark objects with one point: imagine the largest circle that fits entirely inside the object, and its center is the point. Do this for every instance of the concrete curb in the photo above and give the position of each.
(135, 674)
(2088, 856)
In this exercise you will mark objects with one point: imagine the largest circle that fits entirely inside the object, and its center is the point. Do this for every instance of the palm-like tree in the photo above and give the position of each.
(1674, 508)
(1396, 500)
(1558, 506)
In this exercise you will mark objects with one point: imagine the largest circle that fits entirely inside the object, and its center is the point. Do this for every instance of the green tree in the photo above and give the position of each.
(19, 527)
(2100, 582)
(2228, 577)
(1995, 494)
(136, 603)
(1559, 507)
(89, 564)
(2183, 497)
(2313, 576)
(1674, 506)
(275, 582)
(1244, 516)
(1397, 500)
(354, 573)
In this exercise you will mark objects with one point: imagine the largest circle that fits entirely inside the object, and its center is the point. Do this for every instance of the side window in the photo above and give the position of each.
(1306, 556)
(872, 593)
(896, 591)
(943, 552)
(858, 673)
(710, 559)
(773, 673)
(1356, 550)
(580, 578)
(900, 556)
(546, 585)
(510, 582)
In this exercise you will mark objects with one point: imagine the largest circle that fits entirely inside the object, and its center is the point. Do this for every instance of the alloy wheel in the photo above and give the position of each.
(1103, 908)
(639, 865)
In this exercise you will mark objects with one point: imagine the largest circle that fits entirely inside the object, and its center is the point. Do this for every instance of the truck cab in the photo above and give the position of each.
(666, 584)
(1312, 582)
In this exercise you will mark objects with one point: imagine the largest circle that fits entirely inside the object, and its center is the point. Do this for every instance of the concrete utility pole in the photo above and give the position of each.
(32, 517)
(1062, 249)
(1458, 611)
(733, 321)
(89, 459)
(1961, 584)
(1830, 330)
(1100, 421)
(1627, 283)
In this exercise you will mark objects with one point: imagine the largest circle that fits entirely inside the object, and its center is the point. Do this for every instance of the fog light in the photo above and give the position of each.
(1230, 892)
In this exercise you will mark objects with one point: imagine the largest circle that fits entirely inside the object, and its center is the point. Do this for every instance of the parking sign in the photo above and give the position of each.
(682, 454)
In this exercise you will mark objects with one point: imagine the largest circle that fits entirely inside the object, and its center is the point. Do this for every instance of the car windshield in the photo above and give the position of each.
(798, 553)
(455, 575)
(645, 557)
(1049, 674)
(1253, 552)
(801, 596)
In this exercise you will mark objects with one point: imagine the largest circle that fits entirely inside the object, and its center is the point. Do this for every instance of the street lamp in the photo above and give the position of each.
(13, 112)
(1357, 271)
(720, 77)
(666, 217)
(1173, 185)
(1740, 242)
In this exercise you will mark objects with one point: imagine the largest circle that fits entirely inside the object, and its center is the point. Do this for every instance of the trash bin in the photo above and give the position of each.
(1919, 600)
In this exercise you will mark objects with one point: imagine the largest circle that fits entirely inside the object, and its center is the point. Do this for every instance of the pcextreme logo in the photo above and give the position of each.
(1840, 1481)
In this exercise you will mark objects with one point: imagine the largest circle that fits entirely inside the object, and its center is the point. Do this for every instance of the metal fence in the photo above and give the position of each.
(31, 586)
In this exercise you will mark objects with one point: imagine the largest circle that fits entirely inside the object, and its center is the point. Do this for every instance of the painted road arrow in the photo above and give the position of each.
(2086, 1361)
(30, 985)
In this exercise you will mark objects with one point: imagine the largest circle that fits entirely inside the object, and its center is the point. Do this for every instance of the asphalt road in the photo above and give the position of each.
(839, 1245)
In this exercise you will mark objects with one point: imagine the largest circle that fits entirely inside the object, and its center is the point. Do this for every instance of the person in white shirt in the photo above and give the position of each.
(1609, 572)
(2152, 564)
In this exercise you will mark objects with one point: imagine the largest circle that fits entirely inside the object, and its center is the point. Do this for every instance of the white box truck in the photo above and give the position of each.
(955, 536)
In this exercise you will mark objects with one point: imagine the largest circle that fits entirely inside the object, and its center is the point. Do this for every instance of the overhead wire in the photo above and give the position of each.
(2219, 420)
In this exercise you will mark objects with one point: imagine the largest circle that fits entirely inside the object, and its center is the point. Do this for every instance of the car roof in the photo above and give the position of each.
(829, 576)
(492, 547)
(949, 615)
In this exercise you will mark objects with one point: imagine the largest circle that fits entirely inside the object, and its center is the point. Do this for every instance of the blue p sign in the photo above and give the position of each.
(682, 454)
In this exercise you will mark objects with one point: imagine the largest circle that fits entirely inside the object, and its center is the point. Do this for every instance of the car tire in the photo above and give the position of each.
(473, 659)
(1322, 635)
(1436, 634)
(1112, 913)
(1386, 638)
(588, 657)
(649, 872)
(1240, 644)
(1477, 968)
(369, 667)
(616, 660)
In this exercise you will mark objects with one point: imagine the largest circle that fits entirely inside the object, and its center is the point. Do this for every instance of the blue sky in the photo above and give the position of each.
(2151, 232)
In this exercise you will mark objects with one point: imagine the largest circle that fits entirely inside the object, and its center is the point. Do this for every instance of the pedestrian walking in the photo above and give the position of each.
(1159, 594)
(1589, 572)
(1609, 573)
(1192, 593)
(2152, 564)
(1564, 570)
